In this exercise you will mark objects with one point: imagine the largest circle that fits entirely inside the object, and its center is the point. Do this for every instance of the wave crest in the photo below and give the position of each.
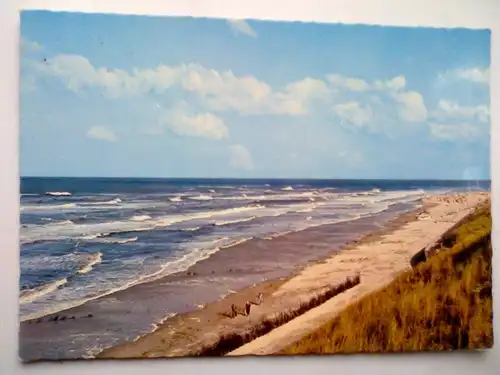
(30, 295)
(140, 218)
(201, 198)
(58, 193)
(94, 259)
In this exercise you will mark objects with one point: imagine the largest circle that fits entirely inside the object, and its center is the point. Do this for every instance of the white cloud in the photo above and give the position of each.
(218, 91)
(77, 72)
(101, 133)
(240, 157)
(225, 91)
(393, 84)
(246, 95)
(242, 26)
(360, 85)
(204, 125)
(348, 83)
(412, 107)
(382, 94)
(454, 132)
(307, 88)
(30, 46)
(476, 75)
(448, 108)
(354, 113)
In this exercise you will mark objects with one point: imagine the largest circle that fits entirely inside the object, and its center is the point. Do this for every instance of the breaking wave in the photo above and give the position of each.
(91, 231)
(201, 198)
(48, 207)
(58, 193)
(92, 261)
(140, 218)
(30, 295)
(118, 240)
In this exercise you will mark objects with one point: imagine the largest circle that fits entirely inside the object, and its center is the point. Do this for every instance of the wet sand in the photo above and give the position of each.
(257, 266)
(287, 270)
(189, 333)
(378, 257)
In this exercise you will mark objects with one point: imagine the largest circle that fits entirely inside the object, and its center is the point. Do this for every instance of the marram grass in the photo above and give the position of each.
(442, 304)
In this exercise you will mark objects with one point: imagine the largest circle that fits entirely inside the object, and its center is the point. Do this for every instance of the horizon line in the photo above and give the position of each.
(259, 178)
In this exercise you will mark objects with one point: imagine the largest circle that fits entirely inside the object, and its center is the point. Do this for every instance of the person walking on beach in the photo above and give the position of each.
(247, 308)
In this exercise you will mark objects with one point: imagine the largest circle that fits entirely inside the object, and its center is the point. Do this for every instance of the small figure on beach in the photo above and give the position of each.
(247, 308)
(259, 299)
(234, 310)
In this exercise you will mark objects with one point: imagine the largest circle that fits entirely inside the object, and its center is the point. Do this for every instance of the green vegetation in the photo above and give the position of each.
(444, 303)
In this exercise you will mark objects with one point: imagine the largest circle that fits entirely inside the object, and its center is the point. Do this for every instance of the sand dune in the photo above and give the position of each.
(376, 262)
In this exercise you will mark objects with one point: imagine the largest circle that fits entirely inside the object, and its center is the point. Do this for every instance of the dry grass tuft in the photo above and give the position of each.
(442, 304)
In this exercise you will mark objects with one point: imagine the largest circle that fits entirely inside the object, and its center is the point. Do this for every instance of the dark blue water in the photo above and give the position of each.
(85, 237)
(40, 185)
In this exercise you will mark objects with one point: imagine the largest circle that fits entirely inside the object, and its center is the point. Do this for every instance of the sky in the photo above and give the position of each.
(142, 96)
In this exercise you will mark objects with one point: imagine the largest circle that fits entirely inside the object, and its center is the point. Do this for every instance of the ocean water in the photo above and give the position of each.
(82, 238)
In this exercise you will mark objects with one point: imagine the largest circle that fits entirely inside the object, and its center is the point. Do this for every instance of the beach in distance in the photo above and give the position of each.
(151, 267)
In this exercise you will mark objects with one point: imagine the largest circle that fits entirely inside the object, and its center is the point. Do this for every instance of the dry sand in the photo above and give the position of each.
(377, 263)
(377, 258)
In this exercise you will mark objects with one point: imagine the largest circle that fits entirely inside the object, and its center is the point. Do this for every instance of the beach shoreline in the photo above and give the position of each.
(189, 333)
(157, 343)
(196, 328)
(378, 263)
(105, 321)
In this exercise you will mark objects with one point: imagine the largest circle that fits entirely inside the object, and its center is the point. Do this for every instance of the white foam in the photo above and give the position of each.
(92, 231)
(56, 207)
(30, 295)
(238, 242)
(274, 235)
(58, 193)
(154, 327)
(201, 198)
(191, 229)
(118, 240)
(190, 258)
(93, 260)
(110, 202)
(287, 188)
(140, 218)
(64, 222)
(270, 196)
(175, 199)
(206, 215)
(228, 222)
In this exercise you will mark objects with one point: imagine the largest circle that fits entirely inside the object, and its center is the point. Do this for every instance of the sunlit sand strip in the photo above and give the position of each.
(376, 262)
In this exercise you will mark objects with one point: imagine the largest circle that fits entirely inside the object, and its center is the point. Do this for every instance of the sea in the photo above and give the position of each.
(84, 238)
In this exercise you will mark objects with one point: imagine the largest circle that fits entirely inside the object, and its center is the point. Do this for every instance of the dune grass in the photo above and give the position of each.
(444, 303)
(234, 340)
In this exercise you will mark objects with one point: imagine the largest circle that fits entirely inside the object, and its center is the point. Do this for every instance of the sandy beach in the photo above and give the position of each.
(376, 255)
(197, 293)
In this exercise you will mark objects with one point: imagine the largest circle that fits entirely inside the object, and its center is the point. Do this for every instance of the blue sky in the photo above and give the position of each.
(139, 96)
